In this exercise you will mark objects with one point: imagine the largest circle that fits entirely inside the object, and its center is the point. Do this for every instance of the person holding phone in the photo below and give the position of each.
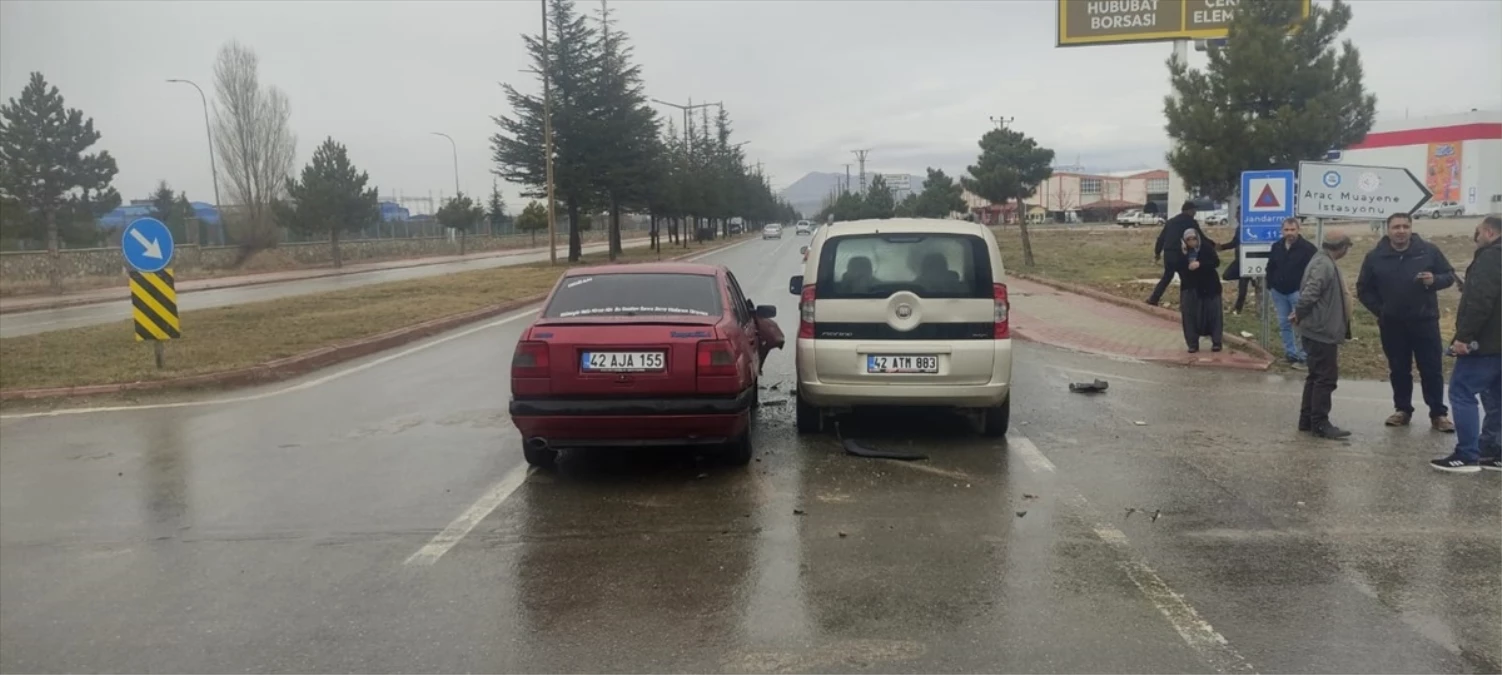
(1398, 284)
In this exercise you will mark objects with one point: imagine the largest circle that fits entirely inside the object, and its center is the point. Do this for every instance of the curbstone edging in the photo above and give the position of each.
(1255, 349)
(301, 364)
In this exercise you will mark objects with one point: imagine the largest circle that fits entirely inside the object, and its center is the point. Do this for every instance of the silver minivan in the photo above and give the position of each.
(903, 312)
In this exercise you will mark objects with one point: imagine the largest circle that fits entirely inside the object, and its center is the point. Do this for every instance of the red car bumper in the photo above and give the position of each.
(573, 423)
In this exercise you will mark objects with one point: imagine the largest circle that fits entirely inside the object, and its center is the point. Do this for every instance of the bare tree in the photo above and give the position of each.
(255, 141)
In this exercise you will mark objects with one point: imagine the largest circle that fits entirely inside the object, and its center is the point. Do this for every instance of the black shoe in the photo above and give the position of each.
(1330, 431)
(1454, 464)
(1152, 302)
(1194, 350)
(1215, 348)
(1304, 425)
(1491, 463)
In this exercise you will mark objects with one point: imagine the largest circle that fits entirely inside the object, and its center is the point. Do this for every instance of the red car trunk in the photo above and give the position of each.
(632, 357)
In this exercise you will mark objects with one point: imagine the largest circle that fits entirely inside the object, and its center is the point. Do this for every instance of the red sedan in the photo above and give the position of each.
(640, 355)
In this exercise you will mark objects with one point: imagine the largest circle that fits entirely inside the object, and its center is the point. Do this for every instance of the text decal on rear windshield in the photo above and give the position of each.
(631, 294)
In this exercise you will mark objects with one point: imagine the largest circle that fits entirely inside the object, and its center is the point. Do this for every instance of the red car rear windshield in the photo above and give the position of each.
(635, 295)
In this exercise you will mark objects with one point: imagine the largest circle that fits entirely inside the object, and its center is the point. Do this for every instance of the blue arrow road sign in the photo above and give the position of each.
(147, 244)
(1266, 201)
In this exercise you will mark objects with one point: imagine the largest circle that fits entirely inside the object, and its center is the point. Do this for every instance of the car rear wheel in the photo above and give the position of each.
(738, 451)
(807, 417)
(542, 458)
(995, 421)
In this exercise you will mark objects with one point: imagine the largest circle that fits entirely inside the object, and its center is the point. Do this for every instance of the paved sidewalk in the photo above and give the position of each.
(111, 294)
(1047, 315)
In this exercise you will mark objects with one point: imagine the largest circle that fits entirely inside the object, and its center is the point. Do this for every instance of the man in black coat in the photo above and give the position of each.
(1168, 248)
(1398, 283)
(1478, 359)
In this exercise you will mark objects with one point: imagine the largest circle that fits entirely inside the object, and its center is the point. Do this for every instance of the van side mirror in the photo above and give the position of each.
(795, 285)
(803, 250)
(766, 311)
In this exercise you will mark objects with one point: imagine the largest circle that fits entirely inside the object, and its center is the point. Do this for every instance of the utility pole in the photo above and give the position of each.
(1002, 122)
(846, 188)
(213, 167)
(860, 156)
(547, 133)
(687, 125)
(455, 148)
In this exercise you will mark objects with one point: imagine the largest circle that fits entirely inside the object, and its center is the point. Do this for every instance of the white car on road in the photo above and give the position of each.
(803, 227)
(772, 231)
(1440, 210)
(903, 312)
(1135, 218)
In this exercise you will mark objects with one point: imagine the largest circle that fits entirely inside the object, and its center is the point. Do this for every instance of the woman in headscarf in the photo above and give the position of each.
(1199, 291)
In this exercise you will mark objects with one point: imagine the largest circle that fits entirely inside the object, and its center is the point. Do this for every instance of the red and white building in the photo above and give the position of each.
(1459, 157)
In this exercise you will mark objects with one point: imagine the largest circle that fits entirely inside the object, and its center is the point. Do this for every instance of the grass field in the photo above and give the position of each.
(1120, 262)
(232, 337)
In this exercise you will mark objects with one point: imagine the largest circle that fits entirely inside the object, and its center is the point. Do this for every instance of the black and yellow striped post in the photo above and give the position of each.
(153, 302)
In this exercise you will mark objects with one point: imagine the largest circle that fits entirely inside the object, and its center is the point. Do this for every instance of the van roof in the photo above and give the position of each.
(936, 225)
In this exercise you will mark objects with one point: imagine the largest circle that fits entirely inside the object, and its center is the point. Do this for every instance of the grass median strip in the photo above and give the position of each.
(226, 338)
(1120, 262)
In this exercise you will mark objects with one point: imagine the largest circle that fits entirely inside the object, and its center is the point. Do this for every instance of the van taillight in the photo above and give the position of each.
(1003, 328)
(716, 358)
(530, 359)
(806, 312)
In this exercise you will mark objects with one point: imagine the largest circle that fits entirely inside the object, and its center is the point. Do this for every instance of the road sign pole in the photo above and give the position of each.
(159, 348)
(1263, 310)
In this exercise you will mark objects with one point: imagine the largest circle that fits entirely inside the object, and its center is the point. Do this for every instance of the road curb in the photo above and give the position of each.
(301, 364)
(425, 262)
(1247, 345)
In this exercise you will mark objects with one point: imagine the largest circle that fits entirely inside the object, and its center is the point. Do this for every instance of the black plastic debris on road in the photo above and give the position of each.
(854, 448)
(1096, 387)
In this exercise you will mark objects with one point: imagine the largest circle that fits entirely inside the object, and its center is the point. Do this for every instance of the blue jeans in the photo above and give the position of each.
(1283, 303)
(1473, 377)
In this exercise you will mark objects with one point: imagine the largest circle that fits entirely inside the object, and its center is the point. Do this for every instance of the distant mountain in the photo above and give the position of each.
(807, 194)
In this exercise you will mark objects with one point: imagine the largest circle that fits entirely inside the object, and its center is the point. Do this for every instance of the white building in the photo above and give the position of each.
(1459, 157)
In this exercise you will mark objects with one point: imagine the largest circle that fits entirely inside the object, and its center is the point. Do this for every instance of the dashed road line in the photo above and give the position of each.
(484, 506)
(1192, 628)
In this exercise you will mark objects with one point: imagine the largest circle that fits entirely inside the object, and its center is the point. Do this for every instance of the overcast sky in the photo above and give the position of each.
(805, 81)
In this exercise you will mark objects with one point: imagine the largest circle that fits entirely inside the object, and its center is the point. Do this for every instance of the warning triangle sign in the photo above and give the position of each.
(1267, 200)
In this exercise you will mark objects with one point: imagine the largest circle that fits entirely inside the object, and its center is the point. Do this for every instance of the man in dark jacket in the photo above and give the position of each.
(1167, 248)
(1398, 283)
(1478, 363)
(1285, 272)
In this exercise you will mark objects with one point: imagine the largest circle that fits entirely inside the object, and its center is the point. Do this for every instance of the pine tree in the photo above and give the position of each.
(1010, 167)
(1269, 98)
(460, 213)
(330, 198)
(533, 218)
(571, 60)
(495, 210)
(940, 197)
(48, 185)
(628, 127)
(878, 203)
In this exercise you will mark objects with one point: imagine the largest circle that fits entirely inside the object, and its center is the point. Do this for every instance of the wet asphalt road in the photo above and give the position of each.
(378, 517)
(45, 320)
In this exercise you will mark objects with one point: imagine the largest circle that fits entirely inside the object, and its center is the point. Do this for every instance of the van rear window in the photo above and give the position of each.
(929, 265)
(635, 295)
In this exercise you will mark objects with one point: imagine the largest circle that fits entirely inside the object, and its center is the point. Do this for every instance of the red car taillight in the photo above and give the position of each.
(1003, 328)
(716, 358)
(530, 359)
(806, 312)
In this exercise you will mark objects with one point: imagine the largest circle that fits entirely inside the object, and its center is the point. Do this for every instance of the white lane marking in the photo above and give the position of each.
(1193, 629)
(529, 312)
(1030, 454)
(487, 503)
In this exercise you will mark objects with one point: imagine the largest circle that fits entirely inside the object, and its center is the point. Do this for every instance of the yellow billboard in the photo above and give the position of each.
(1094, 22)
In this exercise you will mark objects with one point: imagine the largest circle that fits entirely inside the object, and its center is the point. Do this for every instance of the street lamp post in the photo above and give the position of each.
(455, 146)
(213, 167)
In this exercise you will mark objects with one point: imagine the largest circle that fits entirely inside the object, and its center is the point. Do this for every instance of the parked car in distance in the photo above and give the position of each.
(1440, 210)
(803, 227)
(903, 312)
(1216, 217)
(639, 355)
(771, 231)
(1136, 218)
